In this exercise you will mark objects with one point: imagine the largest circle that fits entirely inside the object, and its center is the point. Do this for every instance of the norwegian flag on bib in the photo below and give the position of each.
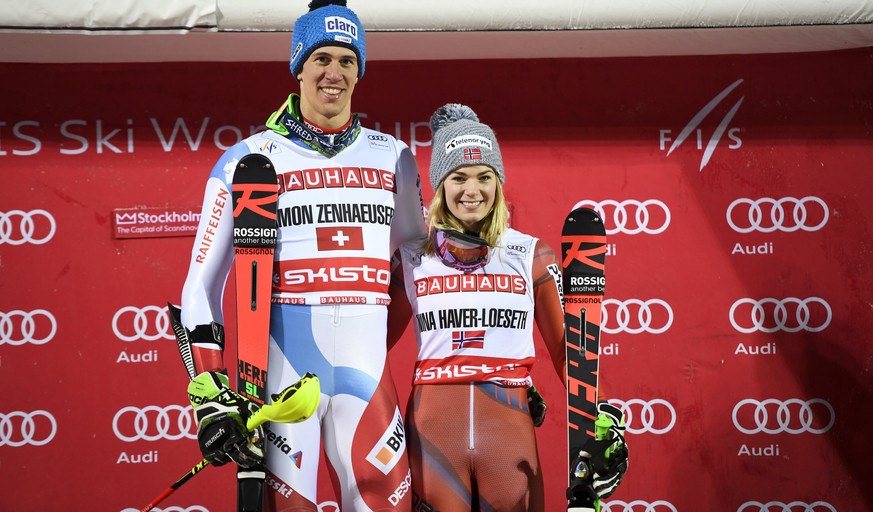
(468, 339)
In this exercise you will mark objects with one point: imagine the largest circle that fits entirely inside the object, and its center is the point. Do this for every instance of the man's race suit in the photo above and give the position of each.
(471, 437)
(340, 220)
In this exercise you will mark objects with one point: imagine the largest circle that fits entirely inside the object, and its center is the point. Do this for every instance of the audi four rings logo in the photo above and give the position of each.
(18, 227)
(19, 327)
(769, 315)
(653, 316)
(792, 416)
(152, 423)
(811, 219)
(655, 416)
(149, 323)
(650, 216)
(636, 506)
(19, 428)
(778, 506)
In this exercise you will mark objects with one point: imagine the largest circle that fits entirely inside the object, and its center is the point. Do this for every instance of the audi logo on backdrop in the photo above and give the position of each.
(152, 423)
(792, 416)
(18, 227)
(646, 416)
(19, 428)
(149, 323)
(807, 213)
(631, 217)
(778, 506)
(19, 327)
(636, 506)
(769, 315)
(635, 316)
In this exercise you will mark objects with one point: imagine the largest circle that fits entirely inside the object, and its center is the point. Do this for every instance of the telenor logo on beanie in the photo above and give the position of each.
(467, 140)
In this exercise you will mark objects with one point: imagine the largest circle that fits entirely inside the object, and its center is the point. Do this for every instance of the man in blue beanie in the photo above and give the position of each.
(348, 197)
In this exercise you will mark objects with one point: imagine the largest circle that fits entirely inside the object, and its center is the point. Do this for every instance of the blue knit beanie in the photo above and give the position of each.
(328, 23)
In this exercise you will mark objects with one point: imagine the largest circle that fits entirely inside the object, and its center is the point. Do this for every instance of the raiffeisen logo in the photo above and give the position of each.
(723, 130)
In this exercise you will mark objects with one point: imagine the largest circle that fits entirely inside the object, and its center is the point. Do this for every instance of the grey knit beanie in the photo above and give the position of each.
(460, 139)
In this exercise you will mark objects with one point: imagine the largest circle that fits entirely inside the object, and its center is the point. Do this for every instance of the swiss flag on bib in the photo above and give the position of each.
(340, 238)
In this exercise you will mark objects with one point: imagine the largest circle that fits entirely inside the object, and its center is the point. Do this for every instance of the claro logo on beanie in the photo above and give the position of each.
(467, 140)
(341, 25)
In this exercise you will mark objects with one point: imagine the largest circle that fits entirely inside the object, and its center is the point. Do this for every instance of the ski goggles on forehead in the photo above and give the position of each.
(460, 250)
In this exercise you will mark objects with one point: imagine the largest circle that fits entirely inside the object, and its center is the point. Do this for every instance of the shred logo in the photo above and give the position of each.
(693, 127)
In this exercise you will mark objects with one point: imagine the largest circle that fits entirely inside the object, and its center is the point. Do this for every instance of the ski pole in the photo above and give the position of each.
(293, 404)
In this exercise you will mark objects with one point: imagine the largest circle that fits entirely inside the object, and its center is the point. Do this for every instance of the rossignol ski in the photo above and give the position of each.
(255, 194)
(583, 251)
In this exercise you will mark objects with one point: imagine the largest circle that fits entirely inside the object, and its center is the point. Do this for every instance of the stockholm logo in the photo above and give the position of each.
(722, 130)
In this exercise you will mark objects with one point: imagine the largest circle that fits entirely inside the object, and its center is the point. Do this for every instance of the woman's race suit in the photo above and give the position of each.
(340, 220)
(471, 438)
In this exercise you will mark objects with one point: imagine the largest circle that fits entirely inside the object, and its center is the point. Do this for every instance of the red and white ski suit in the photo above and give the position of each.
(471, 438)
(340, 220)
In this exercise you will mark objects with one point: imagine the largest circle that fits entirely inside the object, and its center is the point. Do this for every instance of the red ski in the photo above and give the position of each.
(583, 250)
(255, 195)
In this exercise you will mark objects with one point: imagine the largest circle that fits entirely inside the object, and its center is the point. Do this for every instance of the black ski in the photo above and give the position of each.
(583, 250)
(255, 192)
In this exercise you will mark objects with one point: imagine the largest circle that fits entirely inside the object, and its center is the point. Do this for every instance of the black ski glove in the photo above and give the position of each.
(537, 406)
(221, 416)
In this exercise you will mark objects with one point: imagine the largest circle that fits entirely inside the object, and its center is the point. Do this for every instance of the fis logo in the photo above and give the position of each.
(723, 129)
(390, 447)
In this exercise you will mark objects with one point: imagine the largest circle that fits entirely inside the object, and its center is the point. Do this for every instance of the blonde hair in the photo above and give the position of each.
(494, 224)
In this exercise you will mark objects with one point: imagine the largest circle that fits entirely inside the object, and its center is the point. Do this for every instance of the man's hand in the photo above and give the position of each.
(221, 416)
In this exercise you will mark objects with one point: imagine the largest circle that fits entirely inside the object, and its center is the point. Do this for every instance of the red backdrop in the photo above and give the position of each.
(736, 191)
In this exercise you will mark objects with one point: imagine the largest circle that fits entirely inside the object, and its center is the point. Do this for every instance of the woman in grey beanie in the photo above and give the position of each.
(476, 287)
